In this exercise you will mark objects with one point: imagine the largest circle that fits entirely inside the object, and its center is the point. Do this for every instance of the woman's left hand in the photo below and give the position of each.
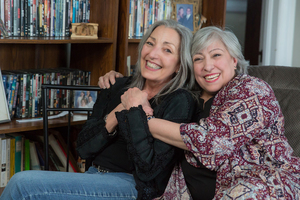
(134, 97)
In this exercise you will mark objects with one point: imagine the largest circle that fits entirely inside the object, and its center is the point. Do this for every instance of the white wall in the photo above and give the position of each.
(296, 49)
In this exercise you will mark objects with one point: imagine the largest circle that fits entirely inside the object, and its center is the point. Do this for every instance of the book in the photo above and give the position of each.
(9, 83)
(26, 14)
(22, 17)
(8, 162)
(52, 18)
(17, 16)
(12, 95)
(3, 173)
(19, 98)
(2, 13)
(12, 156)
(7, 16)
(16, 95)
(40, 154)
(59, 152)
(54, 162)
(12, 17)
(58, 166)
(63, 145)
(18, 153)
(23, 92)
(26, 154)
(34, 160)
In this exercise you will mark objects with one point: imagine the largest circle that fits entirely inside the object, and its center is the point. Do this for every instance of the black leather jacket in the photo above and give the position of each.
(152, 159)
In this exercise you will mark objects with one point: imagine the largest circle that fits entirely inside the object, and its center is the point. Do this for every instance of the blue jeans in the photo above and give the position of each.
(66, 185)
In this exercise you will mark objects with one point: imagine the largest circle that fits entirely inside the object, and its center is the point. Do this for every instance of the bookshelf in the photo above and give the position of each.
(213, 10)
(95, 55)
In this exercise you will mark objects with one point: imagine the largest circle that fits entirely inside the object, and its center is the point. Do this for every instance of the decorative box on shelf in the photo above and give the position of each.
(84, 31)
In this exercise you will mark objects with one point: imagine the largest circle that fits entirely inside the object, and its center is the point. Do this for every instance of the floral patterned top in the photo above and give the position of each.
(243, 140)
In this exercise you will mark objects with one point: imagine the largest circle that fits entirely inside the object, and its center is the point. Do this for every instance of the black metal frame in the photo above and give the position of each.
(45, 97)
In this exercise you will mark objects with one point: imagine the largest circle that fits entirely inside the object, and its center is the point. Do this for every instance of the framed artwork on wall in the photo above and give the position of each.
(187, 13)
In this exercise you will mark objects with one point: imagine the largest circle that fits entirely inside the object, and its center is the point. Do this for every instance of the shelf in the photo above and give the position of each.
(14, 126)
(51, 40)
(134, 40)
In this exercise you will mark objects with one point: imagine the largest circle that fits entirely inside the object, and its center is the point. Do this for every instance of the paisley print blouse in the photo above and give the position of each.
(243, 140)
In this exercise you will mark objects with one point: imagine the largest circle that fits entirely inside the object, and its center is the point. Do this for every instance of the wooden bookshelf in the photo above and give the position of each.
(52, 40)
(16, 127)
(95, 55)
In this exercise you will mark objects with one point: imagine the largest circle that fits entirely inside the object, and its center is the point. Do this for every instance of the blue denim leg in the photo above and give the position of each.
(66, 185)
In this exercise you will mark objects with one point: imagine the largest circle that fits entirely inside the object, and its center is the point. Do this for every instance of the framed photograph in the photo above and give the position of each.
(186, 12)
(84, 99)
(4, 113)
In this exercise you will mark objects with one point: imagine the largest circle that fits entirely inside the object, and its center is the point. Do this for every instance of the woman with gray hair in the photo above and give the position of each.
(239, 132)
(128, 162)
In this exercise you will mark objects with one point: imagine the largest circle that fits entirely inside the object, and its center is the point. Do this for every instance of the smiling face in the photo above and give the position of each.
(188, 11)
(160, 56)
(181, 12)
(214, 67)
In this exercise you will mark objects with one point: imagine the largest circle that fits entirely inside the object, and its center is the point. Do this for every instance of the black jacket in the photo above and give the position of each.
(152, 159)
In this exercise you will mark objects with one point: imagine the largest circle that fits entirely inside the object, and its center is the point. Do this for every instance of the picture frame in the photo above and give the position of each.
(4, 113)
(187, 13)
(84, 31)
(84, 99)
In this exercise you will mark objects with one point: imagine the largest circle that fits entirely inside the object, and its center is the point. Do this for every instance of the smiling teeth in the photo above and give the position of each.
(153, 66)
(209, 78)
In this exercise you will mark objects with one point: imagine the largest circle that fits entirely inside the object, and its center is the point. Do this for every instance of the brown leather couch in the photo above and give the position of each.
(285, 82)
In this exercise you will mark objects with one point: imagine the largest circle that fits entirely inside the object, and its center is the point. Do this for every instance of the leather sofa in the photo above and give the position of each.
(285, 82)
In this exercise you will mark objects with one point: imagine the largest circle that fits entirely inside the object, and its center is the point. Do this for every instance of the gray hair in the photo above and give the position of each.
(206, 36)
(185, 76)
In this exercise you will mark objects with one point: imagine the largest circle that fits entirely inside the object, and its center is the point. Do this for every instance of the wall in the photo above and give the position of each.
(296, 49)
(236, 14)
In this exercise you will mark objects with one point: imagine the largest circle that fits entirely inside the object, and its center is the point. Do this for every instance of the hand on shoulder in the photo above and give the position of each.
(109, 77)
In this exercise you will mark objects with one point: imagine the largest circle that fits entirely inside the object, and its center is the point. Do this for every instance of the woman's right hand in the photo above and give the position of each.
(134, 97)
(108, 77)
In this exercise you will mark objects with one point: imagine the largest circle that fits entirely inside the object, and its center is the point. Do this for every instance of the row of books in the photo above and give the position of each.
(24, 94)
(143, 13)
(19, 153)
(43, 17)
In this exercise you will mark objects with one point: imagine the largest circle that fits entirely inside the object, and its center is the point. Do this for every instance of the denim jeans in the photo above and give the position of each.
(66, 185)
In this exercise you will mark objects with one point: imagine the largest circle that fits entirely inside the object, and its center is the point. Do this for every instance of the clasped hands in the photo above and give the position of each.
(134, 97)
